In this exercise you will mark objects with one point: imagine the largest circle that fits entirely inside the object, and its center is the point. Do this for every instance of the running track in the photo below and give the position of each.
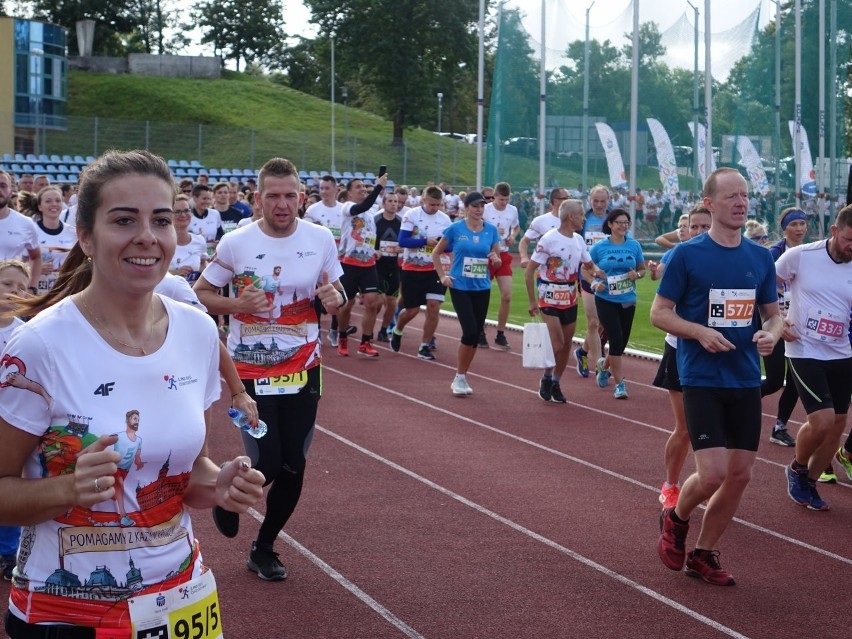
(498, 515)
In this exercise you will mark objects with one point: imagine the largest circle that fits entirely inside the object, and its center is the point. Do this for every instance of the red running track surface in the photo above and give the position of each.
(501, 516)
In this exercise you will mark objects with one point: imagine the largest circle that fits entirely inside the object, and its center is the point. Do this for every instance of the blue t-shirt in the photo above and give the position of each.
(709, 282)
(616, 260)
(470, 255)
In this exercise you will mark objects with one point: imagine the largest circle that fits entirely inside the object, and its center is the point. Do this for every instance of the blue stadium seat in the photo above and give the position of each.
(90, 159)
(19, 157)
(50, 168)
(16, 168)
(62, 168)
(44, 159)
(61, 178)
(311, 182)
(234, 179)
(39, 168)
(359, 175)
(370, 175)
(55, 159)
(195, 164)
(336, 175)
(179, 172)
(192, 172)
(390, 184)
(225, 172)
(79, 159)
(172, 164)
(347, 175)
(184, 163)
(67, 159)
(314, 174)
(27, 168)
(304, 175)
(8, 157)
(32, 158)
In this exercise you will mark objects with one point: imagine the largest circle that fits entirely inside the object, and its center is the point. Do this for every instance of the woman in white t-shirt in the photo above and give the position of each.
(191, 250)
(55, 238)
(104, 407)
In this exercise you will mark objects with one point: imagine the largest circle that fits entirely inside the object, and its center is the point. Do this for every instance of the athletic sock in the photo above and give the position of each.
(583, 353)
(779, 425)
(366, 338)
(555, 378)
(677, 519)
(796, 466)
(667, 485)
(396, 332)
(548, 373)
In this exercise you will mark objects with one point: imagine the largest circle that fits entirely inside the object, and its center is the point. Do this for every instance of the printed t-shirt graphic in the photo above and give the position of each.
(423, 226)
(504, 220)
(54, 246)
(328, 216)
(357, 237)
(284, 341)
(94, 557)
(559, 257)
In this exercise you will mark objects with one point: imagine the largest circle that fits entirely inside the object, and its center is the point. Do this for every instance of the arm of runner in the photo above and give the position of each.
(664, 317)
(773, 328)
(522, 251)
(667, 240)
(250, 299)
(529, 280)
(240, 399)
(513, 233)
(440, 247)
(331, 295)
(34, 255)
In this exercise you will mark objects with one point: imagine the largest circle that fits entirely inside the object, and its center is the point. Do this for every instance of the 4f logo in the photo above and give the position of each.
(105, 389)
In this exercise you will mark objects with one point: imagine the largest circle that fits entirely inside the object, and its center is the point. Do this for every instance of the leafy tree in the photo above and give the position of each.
(398, 71)
(242, 30)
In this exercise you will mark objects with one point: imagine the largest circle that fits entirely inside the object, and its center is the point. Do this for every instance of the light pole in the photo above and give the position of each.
(440, 105)
(344, 93)
(333, 100)
(695, 158)
(777, 133)
(586, 104)
(38, 85)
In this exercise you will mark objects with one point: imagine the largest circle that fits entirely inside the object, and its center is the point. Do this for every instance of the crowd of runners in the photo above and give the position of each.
(361, 262)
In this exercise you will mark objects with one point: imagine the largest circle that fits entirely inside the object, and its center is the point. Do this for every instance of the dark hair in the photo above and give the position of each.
(199, 188)
(610, 218)
(844, 217)
(76, 272)
(276, 167)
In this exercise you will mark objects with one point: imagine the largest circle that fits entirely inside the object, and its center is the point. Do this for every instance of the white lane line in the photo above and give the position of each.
(349, 586)
(671, 603)
(583, 462)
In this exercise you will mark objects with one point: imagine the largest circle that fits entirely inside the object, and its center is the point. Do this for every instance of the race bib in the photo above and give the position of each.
(227, 227)
(476, 267)
(730, 307)
(188, 611)
(388, 249)
(335, 232)
(619, 284)
(825, 326)
(426, 250)
(559, 294)
(593, 237)
(281, 385)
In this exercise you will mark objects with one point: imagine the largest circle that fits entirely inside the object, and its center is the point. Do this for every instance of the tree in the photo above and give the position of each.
(399, 71)
(241, 30)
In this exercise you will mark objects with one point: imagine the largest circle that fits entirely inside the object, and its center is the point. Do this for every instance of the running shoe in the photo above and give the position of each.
(501, 341)
(227, 522)
(383, 335)
(332, 337)
(844, 461)
(544, 385)
(467, 388)
(459, 387)
(395, 340)
(828, 476)
(668, 496)
(817, 502)
(433, 345)
(797, 485)
(705, 565)
(602, 374)
(483, 340)
(343, 346)
(782, 438)
(366, 349)
(425, 353)
(620, 391)
(264, 561)
(7, 565)
(582, 363)
(556, 394)
(672, 544)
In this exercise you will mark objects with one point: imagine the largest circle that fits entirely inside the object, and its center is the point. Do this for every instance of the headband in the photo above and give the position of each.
(792, 216)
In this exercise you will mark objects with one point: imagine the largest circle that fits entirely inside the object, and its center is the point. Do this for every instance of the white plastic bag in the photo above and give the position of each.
(538, 352)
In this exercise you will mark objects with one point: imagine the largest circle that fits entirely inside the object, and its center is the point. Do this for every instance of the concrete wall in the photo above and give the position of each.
(175, 65)
(98, 64)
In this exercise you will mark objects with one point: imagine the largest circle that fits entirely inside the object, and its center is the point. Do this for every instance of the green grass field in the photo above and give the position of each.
(643, 337)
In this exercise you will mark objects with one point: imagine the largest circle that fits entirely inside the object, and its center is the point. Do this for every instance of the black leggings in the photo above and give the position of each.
(281, 454)
(471, 307)
(775, 365)
(617, 320)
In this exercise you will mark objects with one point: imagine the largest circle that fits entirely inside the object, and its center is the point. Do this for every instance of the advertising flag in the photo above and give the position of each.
(617, 176)
(665, 157)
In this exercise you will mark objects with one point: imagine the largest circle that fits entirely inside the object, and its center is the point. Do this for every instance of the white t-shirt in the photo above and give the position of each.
(190, 255)
(6, 332)
(331, 217)
(820, 293)
(541, 225)
(357, 237)
(286, 340)
(78, 388)
(452, 202)
(504, 220)
(422, 225)
(18, 235)
(559, 258)
(413, 201)
(178, 289)
(245, 222)
(54, 250)
(207, 226)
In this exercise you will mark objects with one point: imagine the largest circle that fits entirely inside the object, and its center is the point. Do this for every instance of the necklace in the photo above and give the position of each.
(106, 328)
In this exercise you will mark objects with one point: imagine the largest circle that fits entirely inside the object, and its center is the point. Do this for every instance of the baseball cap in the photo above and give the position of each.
(474, 197)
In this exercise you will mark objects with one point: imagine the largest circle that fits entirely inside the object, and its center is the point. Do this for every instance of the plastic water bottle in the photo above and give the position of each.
(241, 421)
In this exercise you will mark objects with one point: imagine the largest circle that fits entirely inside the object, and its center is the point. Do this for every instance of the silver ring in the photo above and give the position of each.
(97, 487)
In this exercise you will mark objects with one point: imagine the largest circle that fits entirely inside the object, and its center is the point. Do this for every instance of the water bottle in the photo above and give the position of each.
(241, 421)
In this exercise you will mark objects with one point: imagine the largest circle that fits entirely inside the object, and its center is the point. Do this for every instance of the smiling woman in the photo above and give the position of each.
(80, 419)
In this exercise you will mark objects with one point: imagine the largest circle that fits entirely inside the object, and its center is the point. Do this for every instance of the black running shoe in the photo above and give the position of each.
(265, 562)
(556, 394)
(227, 522)
(544, 388)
